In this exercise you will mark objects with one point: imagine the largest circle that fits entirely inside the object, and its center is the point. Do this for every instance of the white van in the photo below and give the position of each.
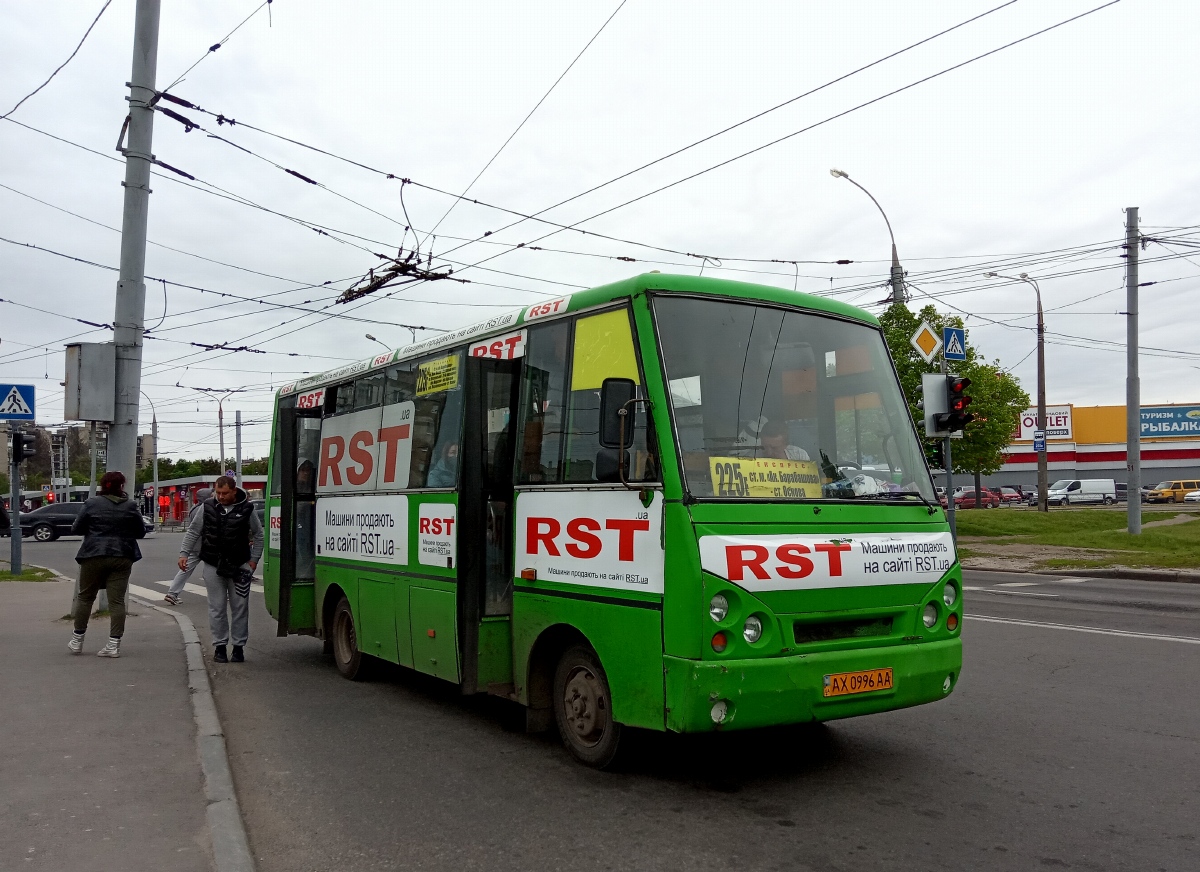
(1080, 491)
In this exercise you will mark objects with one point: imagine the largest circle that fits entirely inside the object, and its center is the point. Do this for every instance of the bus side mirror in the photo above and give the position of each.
(616, 418)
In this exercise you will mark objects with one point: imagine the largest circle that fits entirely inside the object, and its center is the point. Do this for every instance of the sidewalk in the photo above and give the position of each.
(100, 765)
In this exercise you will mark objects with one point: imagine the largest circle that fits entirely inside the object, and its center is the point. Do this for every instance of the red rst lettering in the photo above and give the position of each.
(332, 449)
(448, 523)
(534, 535)
(423, 525)
(625, 529)
(363, 459)
(391, 437)
(512, 342)
(738, 561)
(583, 531)
(834, 550)
(798, 566)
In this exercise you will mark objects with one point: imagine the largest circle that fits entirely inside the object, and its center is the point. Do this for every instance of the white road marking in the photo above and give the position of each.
(1018, 584)
(1008, 592)
(199, 588)
(1102, 631)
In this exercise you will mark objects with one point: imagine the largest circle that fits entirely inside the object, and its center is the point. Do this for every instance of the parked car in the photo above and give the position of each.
(5, 524)
(1068, 491)
(1192, 497)
(1010, 494)
(1122, 492)
(967, 499)
(47, 523)
(260, 509)
(1172, 491)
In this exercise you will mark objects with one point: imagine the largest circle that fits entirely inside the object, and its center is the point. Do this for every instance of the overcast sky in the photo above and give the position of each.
(1001, 164)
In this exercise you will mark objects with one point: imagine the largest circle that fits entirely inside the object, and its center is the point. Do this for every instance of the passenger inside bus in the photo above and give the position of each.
(444, 472)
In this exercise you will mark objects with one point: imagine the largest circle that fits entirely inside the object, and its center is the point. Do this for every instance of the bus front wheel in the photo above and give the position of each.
(583, 708)
(346, 656)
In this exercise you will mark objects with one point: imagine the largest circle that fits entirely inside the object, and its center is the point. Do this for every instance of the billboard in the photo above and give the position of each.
(1172, 421)
(1058, 423)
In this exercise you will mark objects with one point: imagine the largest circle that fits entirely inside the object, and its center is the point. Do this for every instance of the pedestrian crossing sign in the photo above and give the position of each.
(954, 342)
(16, 403)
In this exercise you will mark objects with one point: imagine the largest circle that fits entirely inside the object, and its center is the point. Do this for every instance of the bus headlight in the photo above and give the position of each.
(930, 616)
(718, 608)
(949, 593)
(752, 631)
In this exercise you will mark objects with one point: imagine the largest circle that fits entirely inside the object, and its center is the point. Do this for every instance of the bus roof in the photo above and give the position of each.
(626, 288)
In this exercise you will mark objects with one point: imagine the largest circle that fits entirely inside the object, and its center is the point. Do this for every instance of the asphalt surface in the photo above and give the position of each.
(1071, 741)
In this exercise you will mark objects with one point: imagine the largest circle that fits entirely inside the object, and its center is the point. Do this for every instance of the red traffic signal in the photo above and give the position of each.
(957, 417)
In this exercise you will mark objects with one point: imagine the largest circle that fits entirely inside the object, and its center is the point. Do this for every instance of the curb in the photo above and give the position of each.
(230, 846)
(1181, 576)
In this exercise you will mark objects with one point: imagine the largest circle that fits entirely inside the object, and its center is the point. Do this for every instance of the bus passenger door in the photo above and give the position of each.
(299, 454)
(485, 543)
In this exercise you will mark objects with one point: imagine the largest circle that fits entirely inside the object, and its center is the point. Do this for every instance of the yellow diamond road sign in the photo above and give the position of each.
(927, 342)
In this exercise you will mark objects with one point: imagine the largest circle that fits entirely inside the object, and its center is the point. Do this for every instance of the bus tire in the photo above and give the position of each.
(583, 708)
(346, 656)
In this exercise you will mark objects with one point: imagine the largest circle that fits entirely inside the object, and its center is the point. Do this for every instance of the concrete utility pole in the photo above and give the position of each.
(1133, 383)
(237, 443)
(131, 286)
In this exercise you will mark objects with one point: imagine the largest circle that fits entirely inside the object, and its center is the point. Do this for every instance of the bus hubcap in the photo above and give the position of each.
(584, 705)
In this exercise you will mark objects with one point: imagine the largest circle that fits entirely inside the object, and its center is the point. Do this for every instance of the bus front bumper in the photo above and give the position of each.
(788, 690)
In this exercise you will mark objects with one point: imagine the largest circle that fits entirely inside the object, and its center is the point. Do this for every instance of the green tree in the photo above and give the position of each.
(997, 397)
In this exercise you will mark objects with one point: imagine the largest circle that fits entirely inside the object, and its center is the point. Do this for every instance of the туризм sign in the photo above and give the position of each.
(1170, 421)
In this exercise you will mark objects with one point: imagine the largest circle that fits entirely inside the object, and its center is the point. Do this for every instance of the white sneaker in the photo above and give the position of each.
(112, 649)
(75, 646)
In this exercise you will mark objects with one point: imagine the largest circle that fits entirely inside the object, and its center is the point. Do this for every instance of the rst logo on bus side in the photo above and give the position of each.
(550, 307)
(598, 539)
(508, 347)
(311, 400)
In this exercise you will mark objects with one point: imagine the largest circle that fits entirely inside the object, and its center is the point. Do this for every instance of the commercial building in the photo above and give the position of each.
(1089, 442)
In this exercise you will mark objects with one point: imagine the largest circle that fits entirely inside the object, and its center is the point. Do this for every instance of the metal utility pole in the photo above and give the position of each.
(221, 430)
(237, 442)
(131, 286)
(1133, 383)
(154, 500)
(92, 446)
(14, 487)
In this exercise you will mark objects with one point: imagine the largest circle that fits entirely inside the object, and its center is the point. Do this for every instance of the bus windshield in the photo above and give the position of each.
(778, 404)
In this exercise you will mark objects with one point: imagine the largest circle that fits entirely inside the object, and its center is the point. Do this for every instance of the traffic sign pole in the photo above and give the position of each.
(14, 531)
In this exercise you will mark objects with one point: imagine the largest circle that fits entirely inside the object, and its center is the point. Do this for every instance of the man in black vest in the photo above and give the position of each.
(229, 538)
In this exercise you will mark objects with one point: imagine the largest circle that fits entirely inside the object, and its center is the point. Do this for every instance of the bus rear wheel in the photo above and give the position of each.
(346, 656)
(583, 708)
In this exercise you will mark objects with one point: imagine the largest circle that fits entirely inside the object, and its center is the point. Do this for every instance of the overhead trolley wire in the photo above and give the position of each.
(86, 33)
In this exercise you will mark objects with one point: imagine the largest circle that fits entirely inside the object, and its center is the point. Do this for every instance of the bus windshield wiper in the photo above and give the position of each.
(889, 494)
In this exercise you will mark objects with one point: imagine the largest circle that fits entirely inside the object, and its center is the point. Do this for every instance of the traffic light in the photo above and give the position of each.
(933, 403)
(938, 460)
(24, 446)
(956, 417)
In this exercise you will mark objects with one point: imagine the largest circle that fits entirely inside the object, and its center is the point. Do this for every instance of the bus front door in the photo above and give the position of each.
(300, 447)
(486, 525)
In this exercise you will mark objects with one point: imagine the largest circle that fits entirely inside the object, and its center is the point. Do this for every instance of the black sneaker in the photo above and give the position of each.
(219, 655)
(237, 656)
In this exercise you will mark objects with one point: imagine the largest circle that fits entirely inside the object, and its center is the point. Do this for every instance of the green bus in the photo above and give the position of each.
(671, 503)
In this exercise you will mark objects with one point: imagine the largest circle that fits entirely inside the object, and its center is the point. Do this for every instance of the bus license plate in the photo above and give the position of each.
(845, 683)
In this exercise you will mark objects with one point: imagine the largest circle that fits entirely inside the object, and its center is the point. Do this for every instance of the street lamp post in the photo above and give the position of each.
(380, 341)
(225, 394)
(154, 513)
(1043, 476)
(897, 273)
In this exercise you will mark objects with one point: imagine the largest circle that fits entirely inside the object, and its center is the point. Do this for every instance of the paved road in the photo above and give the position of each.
(1072, 741)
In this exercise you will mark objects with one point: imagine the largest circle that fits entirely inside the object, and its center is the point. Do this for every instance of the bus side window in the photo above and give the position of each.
(436, 392)
(339, 399)
(543, 404)
(603, 349)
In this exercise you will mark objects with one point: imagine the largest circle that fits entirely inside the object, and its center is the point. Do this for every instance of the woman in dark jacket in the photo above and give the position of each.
(110, 524)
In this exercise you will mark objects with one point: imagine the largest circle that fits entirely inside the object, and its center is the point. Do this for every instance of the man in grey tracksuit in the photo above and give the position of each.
(228, 537)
